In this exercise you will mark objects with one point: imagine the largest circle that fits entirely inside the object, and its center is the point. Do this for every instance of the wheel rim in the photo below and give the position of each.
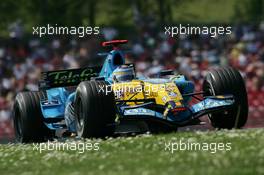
(80, 117)
(209, 91)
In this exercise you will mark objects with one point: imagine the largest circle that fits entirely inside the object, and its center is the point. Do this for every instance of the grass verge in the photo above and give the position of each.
(146, 154)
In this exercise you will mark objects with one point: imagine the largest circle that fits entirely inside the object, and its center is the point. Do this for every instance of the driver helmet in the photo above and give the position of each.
(123, 73)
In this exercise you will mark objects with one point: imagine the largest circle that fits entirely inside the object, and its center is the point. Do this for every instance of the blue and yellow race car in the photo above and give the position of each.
(100, 101)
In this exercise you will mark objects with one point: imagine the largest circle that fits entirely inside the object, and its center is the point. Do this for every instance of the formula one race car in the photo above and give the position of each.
(113, 99)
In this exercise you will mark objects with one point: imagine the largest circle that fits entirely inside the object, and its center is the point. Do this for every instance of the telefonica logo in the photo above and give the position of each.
(71, 76)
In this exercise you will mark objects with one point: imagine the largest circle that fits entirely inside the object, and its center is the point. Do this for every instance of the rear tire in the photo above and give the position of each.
(222, 81)
(28, 119)
(95, 110)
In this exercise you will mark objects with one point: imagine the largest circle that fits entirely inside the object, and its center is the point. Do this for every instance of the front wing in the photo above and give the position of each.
(208, 105)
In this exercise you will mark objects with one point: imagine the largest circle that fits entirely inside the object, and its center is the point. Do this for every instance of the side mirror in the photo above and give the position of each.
(165, 73)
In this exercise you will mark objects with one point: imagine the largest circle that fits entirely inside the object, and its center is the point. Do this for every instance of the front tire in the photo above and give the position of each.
(222, 81)
(95, 110)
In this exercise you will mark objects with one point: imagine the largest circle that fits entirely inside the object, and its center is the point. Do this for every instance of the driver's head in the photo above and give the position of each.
(123, 73)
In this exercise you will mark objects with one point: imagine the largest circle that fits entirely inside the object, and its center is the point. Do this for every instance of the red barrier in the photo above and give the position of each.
(256, 109)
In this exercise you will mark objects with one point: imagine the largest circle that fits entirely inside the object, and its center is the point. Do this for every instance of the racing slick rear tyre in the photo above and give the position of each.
(28, 119)
(95, 110)
(227, 80)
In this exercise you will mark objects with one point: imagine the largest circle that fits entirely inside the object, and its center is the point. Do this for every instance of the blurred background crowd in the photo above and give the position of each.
(23, 57)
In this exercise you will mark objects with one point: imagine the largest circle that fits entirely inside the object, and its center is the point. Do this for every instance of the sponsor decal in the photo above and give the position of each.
(138, 111)
(69, 77)
(172, 94)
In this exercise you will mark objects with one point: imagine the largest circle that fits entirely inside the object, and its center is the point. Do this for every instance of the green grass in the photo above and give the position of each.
(188, 11)
(144, 154)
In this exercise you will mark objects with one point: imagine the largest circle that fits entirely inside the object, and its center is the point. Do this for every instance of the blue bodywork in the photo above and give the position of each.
(53, 108)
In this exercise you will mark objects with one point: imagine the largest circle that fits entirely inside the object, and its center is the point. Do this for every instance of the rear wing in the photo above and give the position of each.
(69, 77)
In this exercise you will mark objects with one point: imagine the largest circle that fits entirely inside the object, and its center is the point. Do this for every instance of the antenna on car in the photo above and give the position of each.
(114, 43)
